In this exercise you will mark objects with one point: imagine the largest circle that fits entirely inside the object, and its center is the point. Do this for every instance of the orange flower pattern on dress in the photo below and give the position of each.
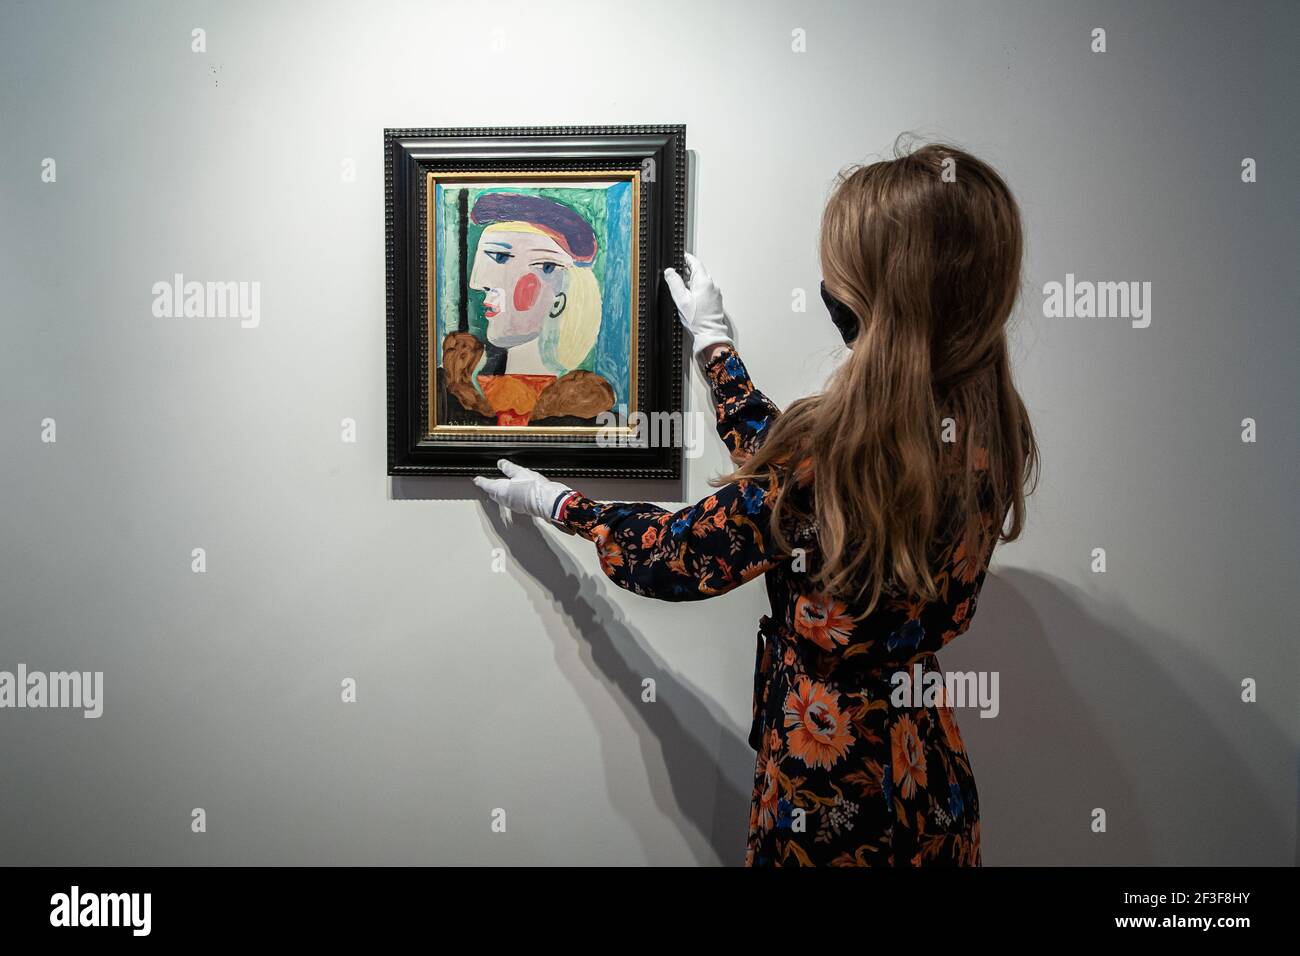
(908, 757)
(823, 621)
(874, 783)
(818, 734)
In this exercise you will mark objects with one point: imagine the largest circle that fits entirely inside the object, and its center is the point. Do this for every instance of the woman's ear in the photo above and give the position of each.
(557, 307)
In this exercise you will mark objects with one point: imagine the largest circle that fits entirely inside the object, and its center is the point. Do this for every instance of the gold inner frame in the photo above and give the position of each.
(634, 325)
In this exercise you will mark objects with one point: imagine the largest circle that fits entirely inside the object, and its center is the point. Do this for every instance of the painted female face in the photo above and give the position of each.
(523, 276)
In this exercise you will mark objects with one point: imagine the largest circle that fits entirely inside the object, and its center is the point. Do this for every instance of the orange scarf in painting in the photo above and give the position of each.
(512, 397)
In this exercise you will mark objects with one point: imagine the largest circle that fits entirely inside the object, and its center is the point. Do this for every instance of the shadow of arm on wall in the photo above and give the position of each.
(700, 762)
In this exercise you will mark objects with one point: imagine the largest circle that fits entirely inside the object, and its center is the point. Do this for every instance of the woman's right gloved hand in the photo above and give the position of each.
(699, 304)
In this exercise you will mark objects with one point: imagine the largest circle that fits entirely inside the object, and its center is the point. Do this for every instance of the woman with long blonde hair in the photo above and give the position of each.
(872, 509)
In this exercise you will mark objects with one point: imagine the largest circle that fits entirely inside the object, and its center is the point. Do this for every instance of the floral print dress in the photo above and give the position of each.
(845, 775)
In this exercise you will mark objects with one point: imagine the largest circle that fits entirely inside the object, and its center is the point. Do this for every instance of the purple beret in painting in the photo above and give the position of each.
(570, 230)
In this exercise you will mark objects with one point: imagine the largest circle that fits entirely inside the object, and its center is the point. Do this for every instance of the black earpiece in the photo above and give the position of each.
(842, 316)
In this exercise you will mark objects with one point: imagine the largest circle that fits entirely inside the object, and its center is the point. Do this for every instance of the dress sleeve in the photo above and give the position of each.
(710, 547)
(707, 549)
(743, 412)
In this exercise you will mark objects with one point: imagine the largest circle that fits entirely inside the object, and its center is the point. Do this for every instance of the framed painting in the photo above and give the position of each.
(527, 317)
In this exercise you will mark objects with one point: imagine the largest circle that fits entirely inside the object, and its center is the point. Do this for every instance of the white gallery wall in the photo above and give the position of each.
(481, 689)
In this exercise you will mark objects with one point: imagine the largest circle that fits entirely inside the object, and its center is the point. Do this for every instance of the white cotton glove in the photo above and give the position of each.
(700, 307)
(522, 490)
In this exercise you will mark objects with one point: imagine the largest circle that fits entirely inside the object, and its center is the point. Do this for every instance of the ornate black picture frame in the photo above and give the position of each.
(610, 203)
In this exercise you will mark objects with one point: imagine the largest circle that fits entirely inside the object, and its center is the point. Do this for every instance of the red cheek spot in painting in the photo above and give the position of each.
(526, 290)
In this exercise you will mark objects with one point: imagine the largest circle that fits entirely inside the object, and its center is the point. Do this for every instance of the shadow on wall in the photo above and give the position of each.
(699, 765)
(1112, 713)
(430, 488)
(1094, 712)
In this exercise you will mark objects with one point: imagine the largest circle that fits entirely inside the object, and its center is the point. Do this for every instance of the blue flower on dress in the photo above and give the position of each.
(783, 814)
(732, 365)
(955, 804)
(907, 636)
(752, 498)
(684, 523)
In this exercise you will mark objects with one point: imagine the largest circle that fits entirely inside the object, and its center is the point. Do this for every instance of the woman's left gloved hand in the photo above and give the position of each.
(523, 490)
(699, 305)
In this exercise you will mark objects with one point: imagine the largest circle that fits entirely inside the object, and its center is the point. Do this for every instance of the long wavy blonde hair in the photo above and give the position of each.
(926, 250)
